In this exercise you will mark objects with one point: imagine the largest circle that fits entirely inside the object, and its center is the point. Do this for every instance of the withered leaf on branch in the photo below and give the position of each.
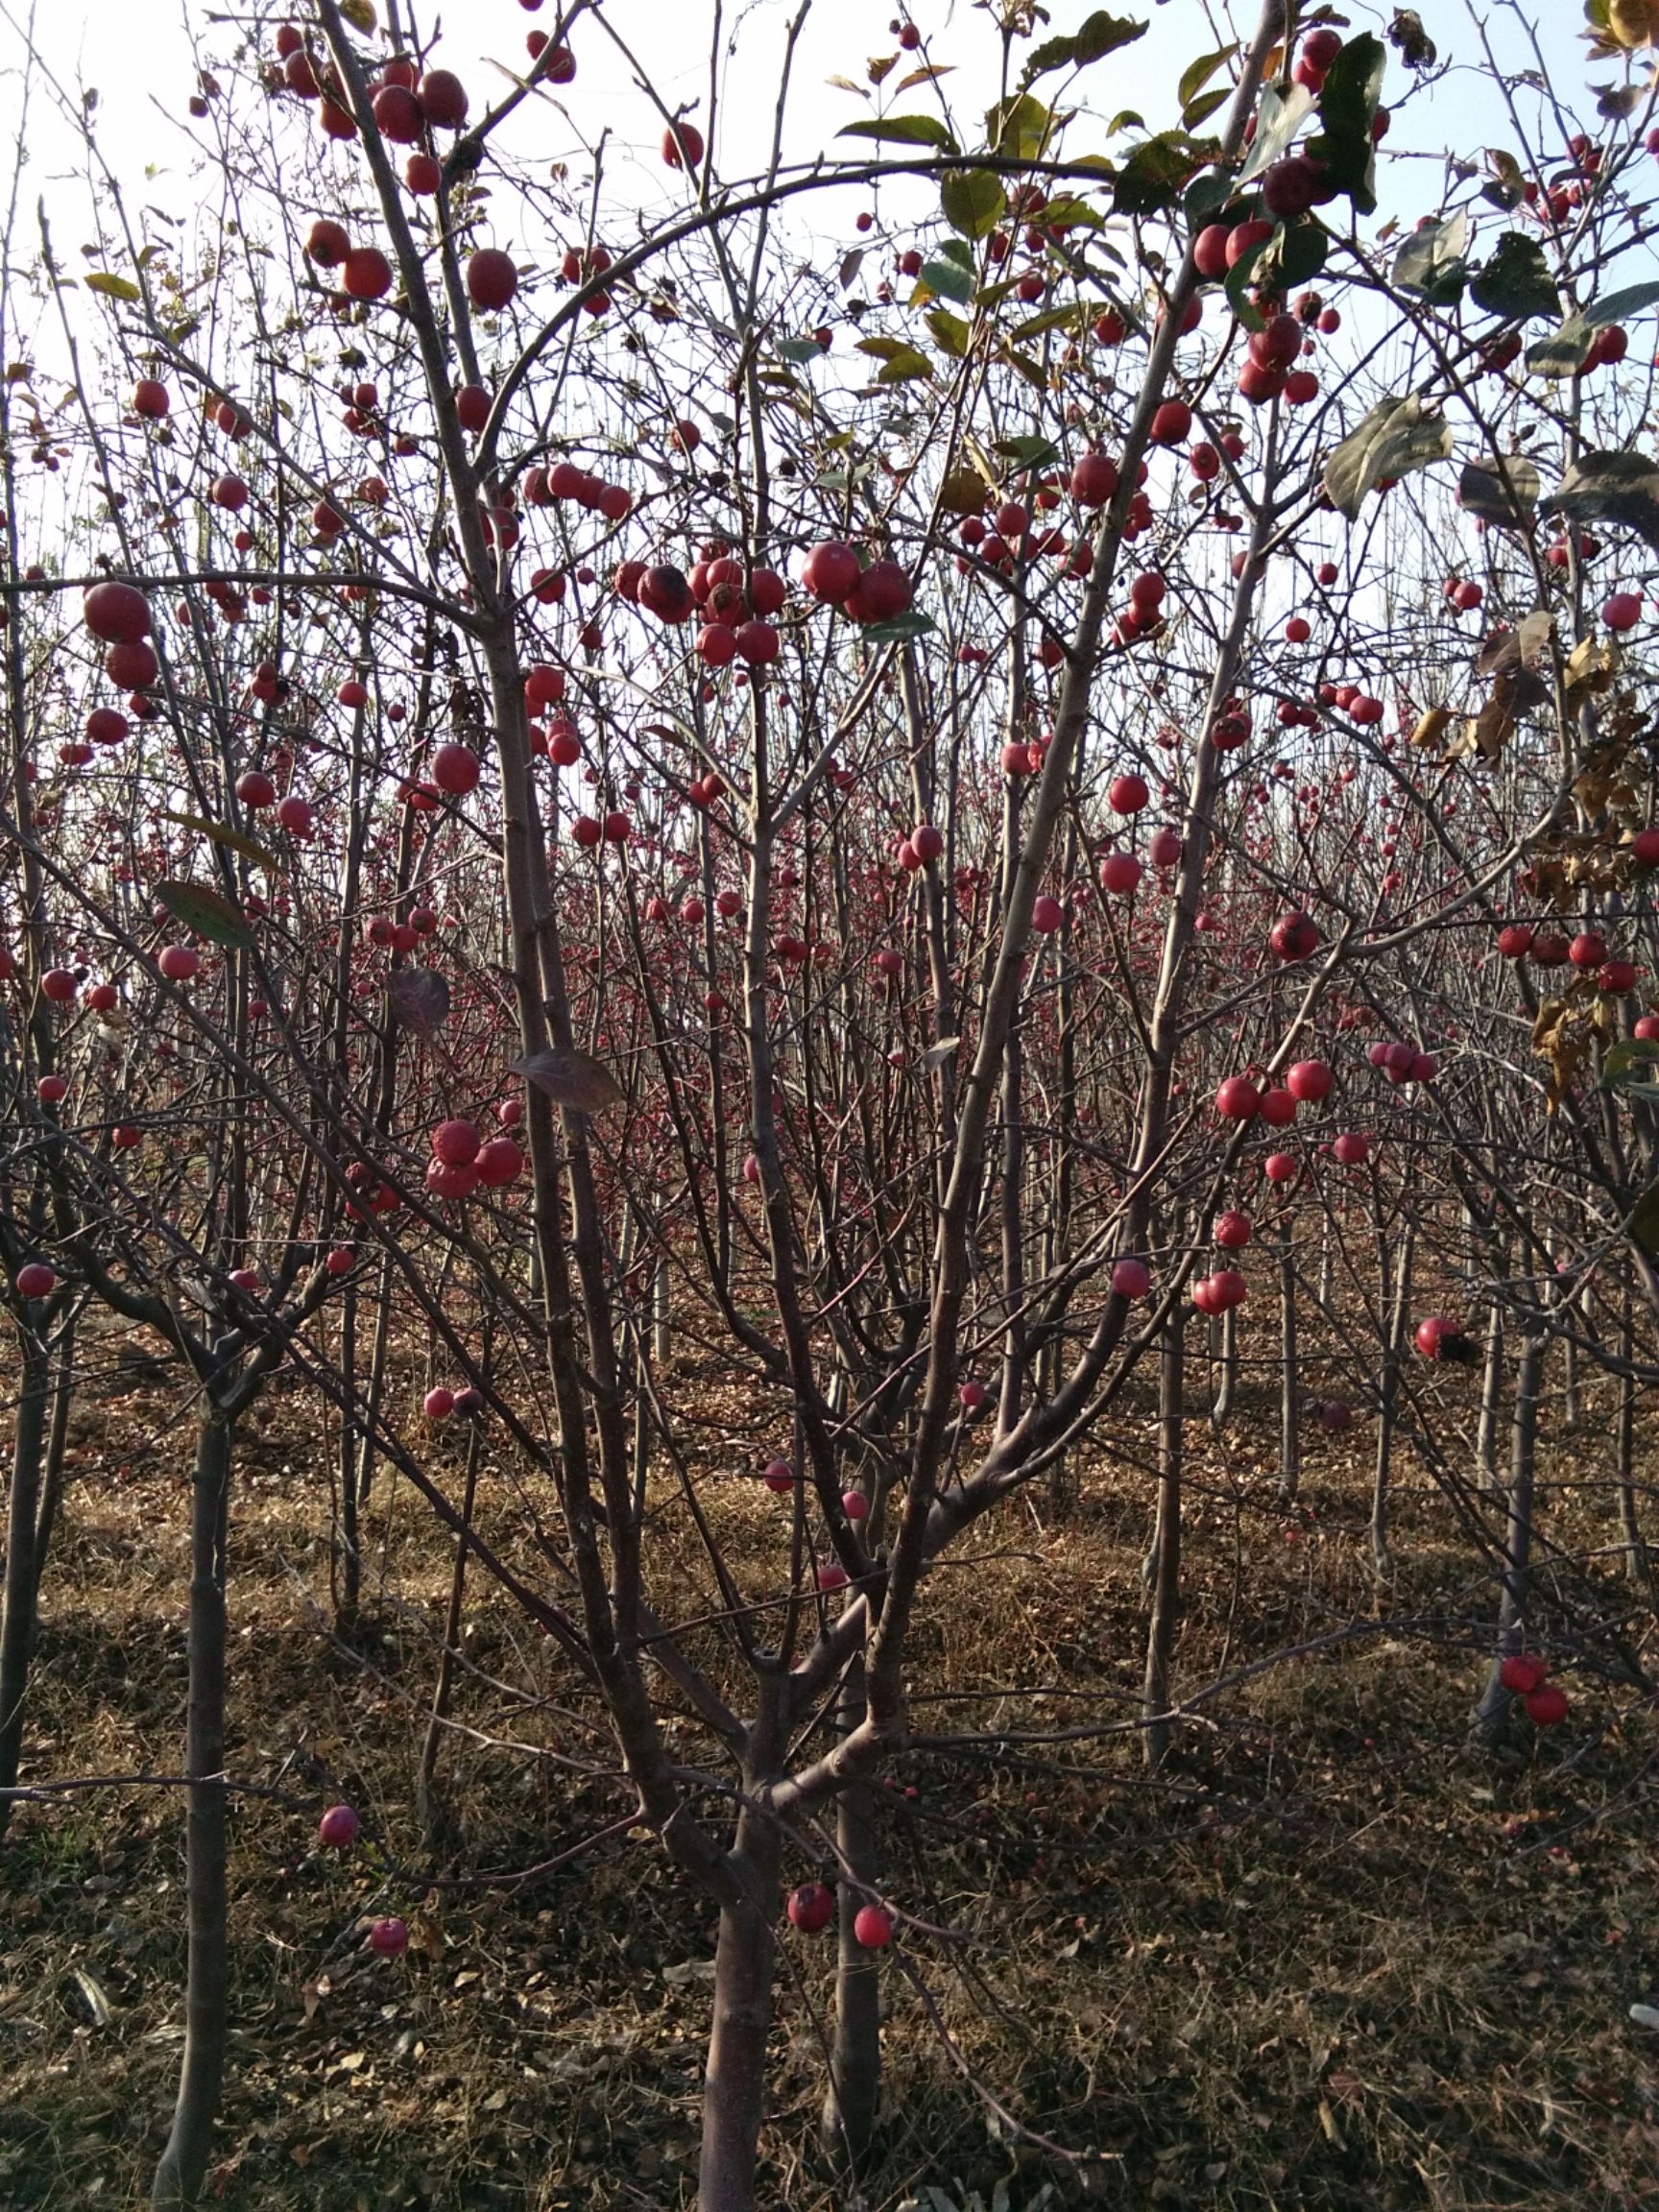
(419, 998)
(571, 1078)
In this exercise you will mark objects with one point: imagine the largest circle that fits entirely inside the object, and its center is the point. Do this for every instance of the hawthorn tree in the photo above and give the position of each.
(823, 815)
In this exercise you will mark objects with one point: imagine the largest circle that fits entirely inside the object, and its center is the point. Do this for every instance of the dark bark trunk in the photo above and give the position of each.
(850, 2105)
(17, 1620)
(183, 2163)
(1289, 1379)
(1166, 1557)
(735, 2084)
(1493, 1712)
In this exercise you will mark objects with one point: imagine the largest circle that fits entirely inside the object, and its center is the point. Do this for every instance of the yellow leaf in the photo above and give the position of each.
(1432, 726)
(1633, 22)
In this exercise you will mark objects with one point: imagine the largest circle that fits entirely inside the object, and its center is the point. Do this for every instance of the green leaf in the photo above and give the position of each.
(1206, 197)
(1279, 123)
(232, 840)
(1620, 306)
(1347, 110)
(799, 351)
(1431, 261)
(973, 202)
(901, 363)
(1515, 281)
(1396, 436)
(1098, 36)
(1643, 1226)
(1153, 173)
(1563, 352)
(948, 280)
(1030, 452)
(949, 333)
(113, 287)
(959, 251)
(1503, 493)
(1069, 318)
(899, 629)
(1197, 74)
(1019, 130)
(1067, 213)
(1631, 1056)
(205, 914)
(903, 131)
(1201, 109)
(1622, 487)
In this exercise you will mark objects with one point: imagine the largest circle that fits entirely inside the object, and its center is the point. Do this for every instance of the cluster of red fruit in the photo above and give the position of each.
(1587, 951)
(562, 485)
(1527, 1678)
(812, 1907)
(463, 1161)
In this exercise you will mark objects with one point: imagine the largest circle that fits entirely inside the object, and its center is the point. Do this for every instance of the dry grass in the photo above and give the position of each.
(1336, 1961)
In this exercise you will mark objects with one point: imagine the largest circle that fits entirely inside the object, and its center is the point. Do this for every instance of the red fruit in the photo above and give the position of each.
(455, 1143)
(327, 243)
(1588, 950)
(1546, 1706)
(831, 571)
(472, 408)
(1131, 1278)
(1128, 794)
(1515, 938)
(872, 1927)
(229, 492)
(150, 399)
(1278, 1108)
(367, 274)
(1351, 1149)
(116, 613)
(1172, 423)
(1245, 237)
(757, 643)
(1238, 1099)
(971, 1396)
(178, 963)
(1121, 872)
(926, 841)
(456, 769)
(101, 997)
(1294, 936)
(338, 1828)
(881, 592)
(499, 1163)
(442, 99)
(34, 1280)
(663, 592)
(1233, 1230)
(1643, 846)
(1292, 186)
(131, 666)
(491, 279)
(58, 985)
(1432, 1335)
(1046, 914)
(423, 175)
(256, 790)
(1310, 1081)
(341, 1260)
(1094, 479)
(1522, 1674)
(1621, 610)
(1165, 848)
(439, 1404)
(389, 1939)
(1280, 1168)
(682, 146)
(1209, 251)
(810, 1907)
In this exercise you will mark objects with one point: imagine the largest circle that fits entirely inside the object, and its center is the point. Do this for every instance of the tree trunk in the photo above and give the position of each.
(850, 2105)
(183, 2163)
(1396, 1311)
(1491, 1403)
(1493, 1712)
(17, 1618)
(1165, 1556)
(1227, 1379)
(1638, 1561)
(434, 1813)
(734, 2083)
(1289, 1379)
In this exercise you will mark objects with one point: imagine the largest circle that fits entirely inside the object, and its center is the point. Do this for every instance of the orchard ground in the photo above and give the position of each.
(1332, 1957)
